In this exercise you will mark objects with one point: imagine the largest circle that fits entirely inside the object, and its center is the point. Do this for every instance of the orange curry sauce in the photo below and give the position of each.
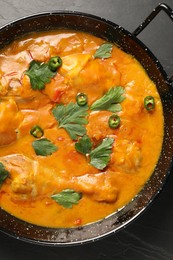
(33, 179)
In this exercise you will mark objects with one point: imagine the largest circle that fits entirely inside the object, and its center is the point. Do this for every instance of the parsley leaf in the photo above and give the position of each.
(100, 156)
(39, 74)
(104, 51)
(72, 118)
(44, 147)
(3, 173)
(84, 145)
(110, 101)
(67, 198)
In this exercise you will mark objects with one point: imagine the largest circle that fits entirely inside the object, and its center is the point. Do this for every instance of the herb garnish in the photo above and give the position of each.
(40, 73)
(3, 173)
(72, 118)
(100, 156)
(67, 198)
(44, 147)
(104, 51)
(110, 101)
(84, 145)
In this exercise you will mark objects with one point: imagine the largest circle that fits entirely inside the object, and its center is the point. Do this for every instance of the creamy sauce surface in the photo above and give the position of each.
(33, 178)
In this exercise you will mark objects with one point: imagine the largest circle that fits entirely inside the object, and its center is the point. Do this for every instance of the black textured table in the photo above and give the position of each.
(151, 235)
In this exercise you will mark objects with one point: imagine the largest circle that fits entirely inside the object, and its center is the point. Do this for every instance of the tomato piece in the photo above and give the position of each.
(57, 95)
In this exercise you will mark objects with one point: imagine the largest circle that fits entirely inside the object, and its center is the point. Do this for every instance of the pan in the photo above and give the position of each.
(130, 44)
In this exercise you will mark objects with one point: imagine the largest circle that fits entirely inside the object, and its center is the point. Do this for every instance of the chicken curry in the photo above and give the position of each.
(81, 128)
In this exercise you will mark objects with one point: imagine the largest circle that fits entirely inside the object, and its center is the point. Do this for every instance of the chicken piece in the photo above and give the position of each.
(73, 64)
(96, 79)
(29, 177)
(22, 92)
(126, 156)
(98, 127)
(29, 180)
(60, 89)
(14, 64)
(42, 117)
(39, 51)
(11, 71)
(9, 85)
(26, 91)
(10, 119)
(68, 43)
(100, 71)
(56, 88)
(21, 170)
(100, 186)
(134, 101)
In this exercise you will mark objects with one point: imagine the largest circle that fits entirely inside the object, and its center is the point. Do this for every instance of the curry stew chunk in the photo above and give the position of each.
(81, 128)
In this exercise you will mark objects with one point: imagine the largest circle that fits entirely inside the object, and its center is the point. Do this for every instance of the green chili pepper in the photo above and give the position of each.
(81, 99)
(54, 63)
(36, 131)
(149, 103)
(114, 121)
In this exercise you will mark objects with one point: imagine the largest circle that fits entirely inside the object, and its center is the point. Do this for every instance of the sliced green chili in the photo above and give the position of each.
(36, 131)
(81, 99)
(114, 121)
(149, 103)
(54, 63)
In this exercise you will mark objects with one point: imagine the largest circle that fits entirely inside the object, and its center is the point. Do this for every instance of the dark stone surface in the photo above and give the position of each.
(151, 235)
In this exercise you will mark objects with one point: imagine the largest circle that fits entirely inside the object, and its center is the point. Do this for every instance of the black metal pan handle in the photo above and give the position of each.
(160, 7)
